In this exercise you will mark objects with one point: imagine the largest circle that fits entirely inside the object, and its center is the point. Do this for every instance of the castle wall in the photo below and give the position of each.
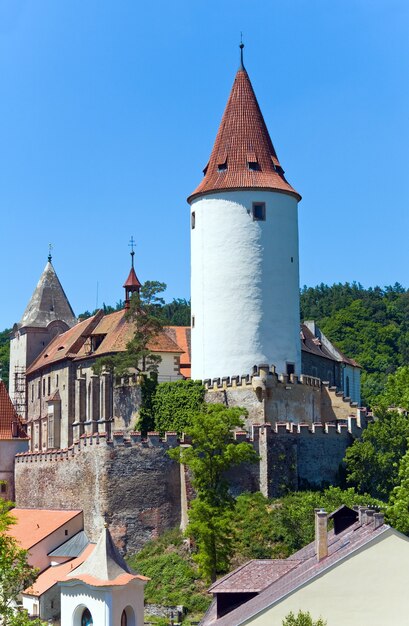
(133, 485)
(271, 398)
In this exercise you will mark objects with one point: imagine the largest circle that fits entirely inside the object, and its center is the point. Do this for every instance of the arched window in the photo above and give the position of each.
(124, 619)
(86, 618)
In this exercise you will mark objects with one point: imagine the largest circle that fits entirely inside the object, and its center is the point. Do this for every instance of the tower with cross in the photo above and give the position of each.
(132, 284)
(47, 314)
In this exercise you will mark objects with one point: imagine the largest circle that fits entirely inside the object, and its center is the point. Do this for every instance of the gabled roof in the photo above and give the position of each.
(307, 568)
(243, 155)
(73, 547)
(8, 417)
(105, 566)
(48, 302)
(34, 525)
(253, 576)
(67, 344)
(312, 344)
(181, 335)
(57, 573)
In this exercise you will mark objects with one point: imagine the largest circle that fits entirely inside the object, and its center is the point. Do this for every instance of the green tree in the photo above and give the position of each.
(15, 573)
(302, 619)
(176, 403)
(372, 462)
(293, 514)
(396, 390)
(213, 452)
(145, 314)
(5, 355)
(398, 510)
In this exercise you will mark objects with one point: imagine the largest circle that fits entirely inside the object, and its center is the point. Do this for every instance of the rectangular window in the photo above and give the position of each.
(3, 487)
(290, 369)
(49, 385)
(39, 389)
(259, 211)
(193, 220)
(32, 392)
(43, 386)
(56, 381)
(193, 321)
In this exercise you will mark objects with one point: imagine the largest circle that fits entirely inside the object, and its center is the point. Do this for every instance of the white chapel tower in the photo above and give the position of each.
(244, 250)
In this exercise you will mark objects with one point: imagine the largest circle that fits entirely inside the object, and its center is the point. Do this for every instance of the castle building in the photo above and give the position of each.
(13, 440)
(47, 314)
(52, 358)
(244, 249)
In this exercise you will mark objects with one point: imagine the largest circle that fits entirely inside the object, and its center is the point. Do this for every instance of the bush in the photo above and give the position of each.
(175, 403)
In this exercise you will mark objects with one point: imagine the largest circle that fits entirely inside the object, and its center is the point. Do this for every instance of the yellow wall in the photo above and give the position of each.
(370, 588)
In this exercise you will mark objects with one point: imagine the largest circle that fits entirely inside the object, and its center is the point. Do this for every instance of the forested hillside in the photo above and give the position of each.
(370, 325)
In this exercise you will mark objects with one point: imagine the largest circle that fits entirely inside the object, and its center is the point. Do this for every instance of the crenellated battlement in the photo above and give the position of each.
(257, 432)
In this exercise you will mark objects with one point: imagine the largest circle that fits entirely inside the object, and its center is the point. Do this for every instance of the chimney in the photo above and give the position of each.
(378, 520)
(321, 534)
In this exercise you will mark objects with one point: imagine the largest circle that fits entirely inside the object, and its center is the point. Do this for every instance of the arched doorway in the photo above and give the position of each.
(128, 617)
(86, 618)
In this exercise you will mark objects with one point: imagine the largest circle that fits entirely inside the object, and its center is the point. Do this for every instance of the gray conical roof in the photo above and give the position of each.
(104, 563)
(48, 302)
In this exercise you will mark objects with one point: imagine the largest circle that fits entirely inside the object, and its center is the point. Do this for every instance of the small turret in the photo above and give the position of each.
(132, 283)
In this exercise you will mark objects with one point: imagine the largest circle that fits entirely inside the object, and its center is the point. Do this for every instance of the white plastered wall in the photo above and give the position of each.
(244, 284)
(370, 587)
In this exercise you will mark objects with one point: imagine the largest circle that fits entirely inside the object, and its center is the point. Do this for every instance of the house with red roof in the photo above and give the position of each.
(13, 440)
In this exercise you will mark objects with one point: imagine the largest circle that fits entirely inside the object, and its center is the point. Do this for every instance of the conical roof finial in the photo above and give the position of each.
(241, 52)
(131, 245)
(50, 247)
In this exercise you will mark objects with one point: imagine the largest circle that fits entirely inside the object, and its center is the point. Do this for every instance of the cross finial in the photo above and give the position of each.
(50, 247)
(132, 245)
(241, 46)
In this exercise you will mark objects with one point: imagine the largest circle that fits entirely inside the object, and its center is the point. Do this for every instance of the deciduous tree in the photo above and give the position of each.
(212, 453)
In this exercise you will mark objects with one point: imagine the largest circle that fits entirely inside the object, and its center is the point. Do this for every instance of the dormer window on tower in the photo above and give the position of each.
(252, 162)
(222, 163)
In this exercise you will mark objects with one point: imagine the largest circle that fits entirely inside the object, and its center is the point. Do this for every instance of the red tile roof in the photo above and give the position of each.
(34, 525)
(57, 573)
(243, 156)
(116, 330)
(181, 336)
(8, 416)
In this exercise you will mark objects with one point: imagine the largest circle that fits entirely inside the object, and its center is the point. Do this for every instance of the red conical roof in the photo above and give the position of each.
(243, 155)
(132, 280)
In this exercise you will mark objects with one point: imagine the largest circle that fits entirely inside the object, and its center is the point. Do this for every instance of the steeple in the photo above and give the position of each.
(104, 565)
(48, 302)
(243, 155)
(132, 283)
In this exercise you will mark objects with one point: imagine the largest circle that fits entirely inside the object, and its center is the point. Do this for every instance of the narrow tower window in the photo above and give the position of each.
(193, 220)
(259, 211)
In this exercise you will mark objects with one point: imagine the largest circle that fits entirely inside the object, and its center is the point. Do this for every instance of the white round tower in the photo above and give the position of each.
(244, 250)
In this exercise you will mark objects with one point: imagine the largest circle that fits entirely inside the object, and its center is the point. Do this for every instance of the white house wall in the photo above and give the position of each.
(245, 284)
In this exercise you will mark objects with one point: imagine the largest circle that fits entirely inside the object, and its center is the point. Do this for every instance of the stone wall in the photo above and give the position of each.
(278, 399)
(133, 485)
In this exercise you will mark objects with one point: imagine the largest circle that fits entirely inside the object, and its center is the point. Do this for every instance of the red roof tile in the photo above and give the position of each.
(243, 144)
(132, 280)
(8, 417)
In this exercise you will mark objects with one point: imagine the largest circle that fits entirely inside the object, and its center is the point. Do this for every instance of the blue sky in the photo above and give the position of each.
(108, 113)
